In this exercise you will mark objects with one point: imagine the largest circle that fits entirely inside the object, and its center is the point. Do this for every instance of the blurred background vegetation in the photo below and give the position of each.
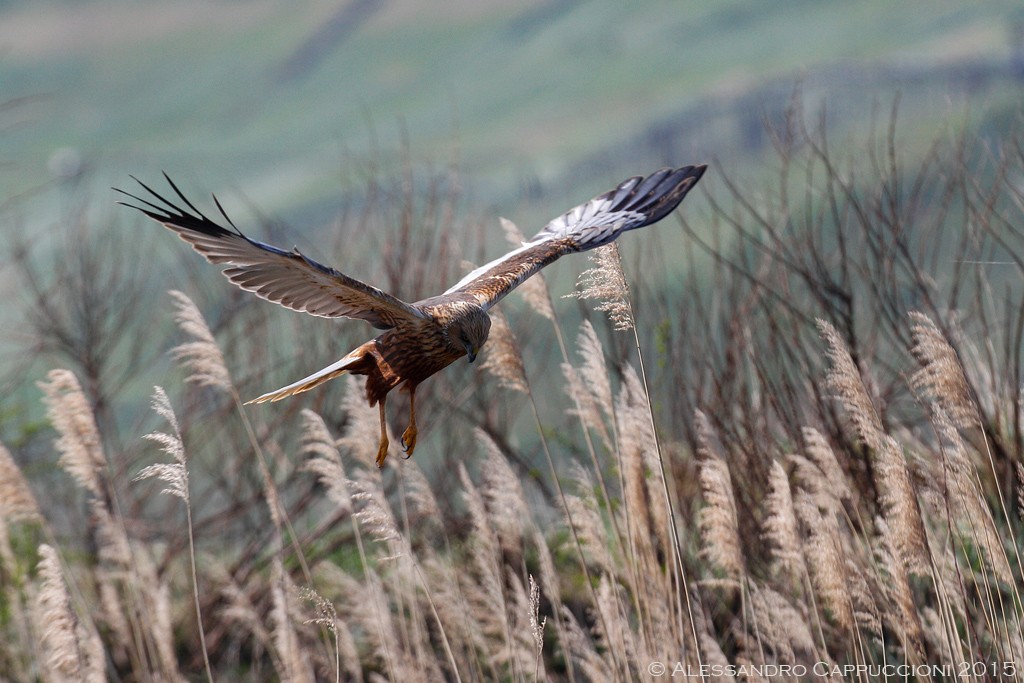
(865, 161)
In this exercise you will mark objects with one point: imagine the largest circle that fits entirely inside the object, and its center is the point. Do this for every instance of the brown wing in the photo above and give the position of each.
(284, 277)
(633, 204)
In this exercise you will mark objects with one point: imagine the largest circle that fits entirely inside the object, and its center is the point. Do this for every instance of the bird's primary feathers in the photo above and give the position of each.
(423, 337)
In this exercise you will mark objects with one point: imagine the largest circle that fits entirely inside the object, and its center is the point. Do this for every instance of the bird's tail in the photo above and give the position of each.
(314, 380)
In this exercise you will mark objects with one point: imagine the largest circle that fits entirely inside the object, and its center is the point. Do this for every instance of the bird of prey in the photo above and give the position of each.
(424, 337)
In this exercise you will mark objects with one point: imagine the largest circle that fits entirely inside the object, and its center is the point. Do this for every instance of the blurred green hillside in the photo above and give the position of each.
(284, 99)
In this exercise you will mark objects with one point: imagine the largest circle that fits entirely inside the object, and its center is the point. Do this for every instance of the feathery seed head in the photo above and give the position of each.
(844, 378)
(175, 474)
(201, 358)
(607, 283)
(781, 532)
(17, 501)
(79, 442)
(942, 374)
(324, 459)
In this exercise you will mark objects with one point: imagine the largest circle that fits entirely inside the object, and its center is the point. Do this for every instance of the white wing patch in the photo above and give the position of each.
(477, 272)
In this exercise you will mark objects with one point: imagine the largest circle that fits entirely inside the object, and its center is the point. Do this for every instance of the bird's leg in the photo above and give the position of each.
(382, 450)
(409, 436)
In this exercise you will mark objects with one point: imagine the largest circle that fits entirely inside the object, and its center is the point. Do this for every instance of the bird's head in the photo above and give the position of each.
(471, 332)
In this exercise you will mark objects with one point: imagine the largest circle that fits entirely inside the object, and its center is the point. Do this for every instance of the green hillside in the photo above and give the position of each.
(282, 100)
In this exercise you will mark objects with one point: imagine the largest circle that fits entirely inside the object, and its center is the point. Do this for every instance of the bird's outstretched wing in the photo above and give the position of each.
(285, 277)
(633, 204)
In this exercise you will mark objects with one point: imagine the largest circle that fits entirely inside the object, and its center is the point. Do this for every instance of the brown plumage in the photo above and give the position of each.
(424, 337)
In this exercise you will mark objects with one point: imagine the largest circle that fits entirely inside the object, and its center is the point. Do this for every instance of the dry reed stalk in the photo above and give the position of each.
(375, 515)
(894, 585)
(324, 460)
(586, 410)
(292, 661)
(176, 476)
(782, 626)
(635, 429)
(585, 518)
(502, 491)
(17, 504)
(960, 492)
(536, 626)
(82, 455)
(719, 525)
(346, 650)
(941, 376)
(714, 658)
(825, 558)
(420, 496)
(896, 494)
(583, 648)
(614, 628)
(591, 391)
(608, 283)
(819, 452)
(73, 651)
(204, 362)
(79, 444)
(201, 358)
(486, 593)
(780, 530)
(453, 610)
(844, 377)
(521, 625)
(634, 439)
(590, 385)
(502, 355)
(326, 616)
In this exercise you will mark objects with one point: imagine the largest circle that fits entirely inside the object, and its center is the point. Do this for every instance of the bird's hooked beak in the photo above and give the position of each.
(471, 352)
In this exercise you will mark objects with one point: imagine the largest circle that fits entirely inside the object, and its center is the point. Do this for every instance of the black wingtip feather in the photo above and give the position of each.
(224, 213)
(662, 191)
(183, 197)
(173, 215)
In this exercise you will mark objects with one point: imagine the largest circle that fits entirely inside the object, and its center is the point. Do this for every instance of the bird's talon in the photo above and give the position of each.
(382, 452)
(409, 441)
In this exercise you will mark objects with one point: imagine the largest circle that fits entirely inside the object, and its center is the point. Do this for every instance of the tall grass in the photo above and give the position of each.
(807, 455)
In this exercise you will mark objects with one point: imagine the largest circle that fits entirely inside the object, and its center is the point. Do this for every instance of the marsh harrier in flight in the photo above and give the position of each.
(424, 337)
